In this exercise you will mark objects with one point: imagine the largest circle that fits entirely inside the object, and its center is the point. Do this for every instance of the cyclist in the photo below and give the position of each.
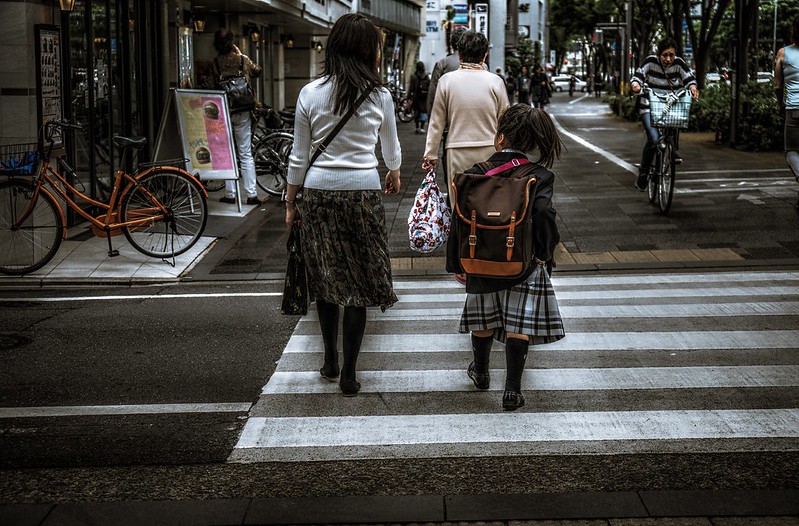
(662, 71)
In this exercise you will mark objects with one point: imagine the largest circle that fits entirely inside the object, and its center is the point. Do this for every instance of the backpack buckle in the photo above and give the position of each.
(510, 241)
(472, 240)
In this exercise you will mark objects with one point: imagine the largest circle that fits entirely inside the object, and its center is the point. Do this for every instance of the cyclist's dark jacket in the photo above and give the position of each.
(651, 72)
(545, 230)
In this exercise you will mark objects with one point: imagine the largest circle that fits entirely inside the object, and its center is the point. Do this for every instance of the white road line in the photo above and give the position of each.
(579, 99)
(298, 432)
(763, 170)
(672, 278)
(597, 379)
(575, 341)
(146, 297)
(785, 308)
(604, 153)
(111, 410)
(435, 299)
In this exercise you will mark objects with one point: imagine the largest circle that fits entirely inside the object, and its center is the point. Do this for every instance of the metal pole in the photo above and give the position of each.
(775, 30)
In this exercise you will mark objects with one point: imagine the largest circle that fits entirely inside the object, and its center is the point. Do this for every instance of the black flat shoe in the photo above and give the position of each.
(511, 401)
(349, 387)
(228, 200)
(481, 380)
(329, 372)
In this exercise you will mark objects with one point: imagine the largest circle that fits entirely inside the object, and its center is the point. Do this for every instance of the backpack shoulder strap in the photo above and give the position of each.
(241, 64)
(218, 69)
(485, 166)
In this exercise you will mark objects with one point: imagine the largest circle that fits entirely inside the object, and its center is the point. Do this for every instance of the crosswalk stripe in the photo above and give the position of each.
(629, 379)
(648, 292)
(520, 427)
(784, 308)
(598, 379)
(581, 341)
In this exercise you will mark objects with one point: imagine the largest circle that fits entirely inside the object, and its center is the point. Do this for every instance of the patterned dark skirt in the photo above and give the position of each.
(346, 248)
(529, 307)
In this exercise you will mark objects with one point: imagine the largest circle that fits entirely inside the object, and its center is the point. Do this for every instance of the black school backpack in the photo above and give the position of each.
(494, 219)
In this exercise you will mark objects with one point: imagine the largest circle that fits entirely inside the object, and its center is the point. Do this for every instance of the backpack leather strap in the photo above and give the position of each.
(508, 166)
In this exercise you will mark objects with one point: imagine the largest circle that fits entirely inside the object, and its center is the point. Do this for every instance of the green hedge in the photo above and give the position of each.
(761, 129)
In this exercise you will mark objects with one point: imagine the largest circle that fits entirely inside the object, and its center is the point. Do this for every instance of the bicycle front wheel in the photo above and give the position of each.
(30, 245)
(652, 185)
(169, 233)
(271, 156)
(405, 111)
(666, 179)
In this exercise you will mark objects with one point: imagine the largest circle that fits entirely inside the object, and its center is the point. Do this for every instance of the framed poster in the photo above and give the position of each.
(49, 104)
(206, 133)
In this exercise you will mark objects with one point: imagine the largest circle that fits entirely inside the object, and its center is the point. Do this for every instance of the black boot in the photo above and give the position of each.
(515, 358)
(478, 369)
(354, 326)
(328, 322)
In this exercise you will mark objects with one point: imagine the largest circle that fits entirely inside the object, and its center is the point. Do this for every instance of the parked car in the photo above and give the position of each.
(561, 83)
(712, 78)
(764, 76)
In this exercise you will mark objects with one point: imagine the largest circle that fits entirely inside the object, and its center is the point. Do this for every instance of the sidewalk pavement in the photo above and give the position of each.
(251, 244)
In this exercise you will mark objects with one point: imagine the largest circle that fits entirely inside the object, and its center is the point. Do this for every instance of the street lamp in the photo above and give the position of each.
(66, 5)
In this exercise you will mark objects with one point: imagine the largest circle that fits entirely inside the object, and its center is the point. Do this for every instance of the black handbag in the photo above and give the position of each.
(240, 96)
(295, 286)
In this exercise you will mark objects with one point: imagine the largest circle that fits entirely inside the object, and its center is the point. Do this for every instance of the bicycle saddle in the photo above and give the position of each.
(286, 114)
(137, 143)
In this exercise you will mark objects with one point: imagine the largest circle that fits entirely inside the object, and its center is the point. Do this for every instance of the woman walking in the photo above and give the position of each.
(420, 85)
(786, 87)
(342, 214)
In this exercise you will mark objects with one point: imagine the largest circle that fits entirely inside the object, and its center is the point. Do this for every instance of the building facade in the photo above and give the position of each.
(108, 65)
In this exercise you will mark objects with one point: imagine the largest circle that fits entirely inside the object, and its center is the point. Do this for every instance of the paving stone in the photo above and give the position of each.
(755, 521)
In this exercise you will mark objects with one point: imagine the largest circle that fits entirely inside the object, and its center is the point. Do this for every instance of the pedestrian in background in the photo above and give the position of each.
(786, 87)
(468, 102)
(418, 90)
(523, 82)
(523, 311)
(342, 216)
(510, 85)
(539, 87)
(228, 63)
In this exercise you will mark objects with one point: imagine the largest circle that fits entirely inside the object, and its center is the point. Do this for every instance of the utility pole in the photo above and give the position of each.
(736, 81)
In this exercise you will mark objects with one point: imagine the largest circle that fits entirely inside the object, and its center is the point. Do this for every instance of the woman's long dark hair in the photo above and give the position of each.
(528, 129)
(353, 51)
(223, 41)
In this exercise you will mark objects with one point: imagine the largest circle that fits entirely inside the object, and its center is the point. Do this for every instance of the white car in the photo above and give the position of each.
(561, 83)
(711, 78)
(764, 76)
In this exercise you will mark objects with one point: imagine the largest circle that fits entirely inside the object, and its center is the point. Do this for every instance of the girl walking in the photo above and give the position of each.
(524, 311)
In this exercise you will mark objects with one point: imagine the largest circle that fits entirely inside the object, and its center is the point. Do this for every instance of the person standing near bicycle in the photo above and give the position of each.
(231, 62)
(343, 223)
(666, 71)
(786, 88)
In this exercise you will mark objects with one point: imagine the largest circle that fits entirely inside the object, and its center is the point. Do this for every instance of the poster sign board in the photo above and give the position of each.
(481, 18)
(48, 77)
(196, 125)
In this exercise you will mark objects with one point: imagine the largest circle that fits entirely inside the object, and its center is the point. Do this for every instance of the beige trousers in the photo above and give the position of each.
(461, 159)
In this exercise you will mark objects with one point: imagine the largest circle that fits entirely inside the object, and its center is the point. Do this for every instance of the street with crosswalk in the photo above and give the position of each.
(652, 363)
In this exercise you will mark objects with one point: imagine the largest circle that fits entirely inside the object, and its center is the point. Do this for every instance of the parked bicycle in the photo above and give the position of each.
(161, 209)
(669, 111)
(403, 106)
(272, 144)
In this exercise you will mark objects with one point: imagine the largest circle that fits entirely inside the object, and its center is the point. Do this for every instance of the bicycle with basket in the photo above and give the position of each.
(669, 111)
(160, 208)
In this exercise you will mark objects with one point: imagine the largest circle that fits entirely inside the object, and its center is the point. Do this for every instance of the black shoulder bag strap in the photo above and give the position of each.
(325, 143)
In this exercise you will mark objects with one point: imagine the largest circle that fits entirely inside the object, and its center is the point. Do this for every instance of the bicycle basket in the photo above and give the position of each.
(668, 110)
(19, 159)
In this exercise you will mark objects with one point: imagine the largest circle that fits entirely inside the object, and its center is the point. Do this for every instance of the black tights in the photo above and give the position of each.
(353, 329)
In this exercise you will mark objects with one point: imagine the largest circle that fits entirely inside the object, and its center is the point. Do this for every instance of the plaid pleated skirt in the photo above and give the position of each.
(346, 248)
(527, 308)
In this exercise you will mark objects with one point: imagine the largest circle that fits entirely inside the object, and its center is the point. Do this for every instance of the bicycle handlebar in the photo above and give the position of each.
(646, 89)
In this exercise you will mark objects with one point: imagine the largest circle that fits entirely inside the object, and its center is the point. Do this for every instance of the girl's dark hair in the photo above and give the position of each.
(223, 41)
(795, 30)
(353, 51)
(528, 129)
(665, 44)
(472, 47)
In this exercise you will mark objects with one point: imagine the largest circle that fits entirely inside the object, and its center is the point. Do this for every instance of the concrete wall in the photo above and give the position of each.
(18, 80)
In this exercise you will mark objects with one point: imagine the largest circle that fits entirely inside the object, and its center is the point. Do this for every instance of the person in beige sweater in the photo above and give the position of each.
(469, 102)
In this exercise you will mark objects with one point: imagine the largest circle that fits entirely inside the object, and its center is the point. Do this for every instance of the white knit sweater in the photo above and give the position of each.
(349, 163)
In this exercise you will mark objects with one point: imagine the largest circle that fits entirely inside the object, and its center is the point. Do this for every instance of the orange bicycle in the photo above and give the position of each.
(161, 209)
